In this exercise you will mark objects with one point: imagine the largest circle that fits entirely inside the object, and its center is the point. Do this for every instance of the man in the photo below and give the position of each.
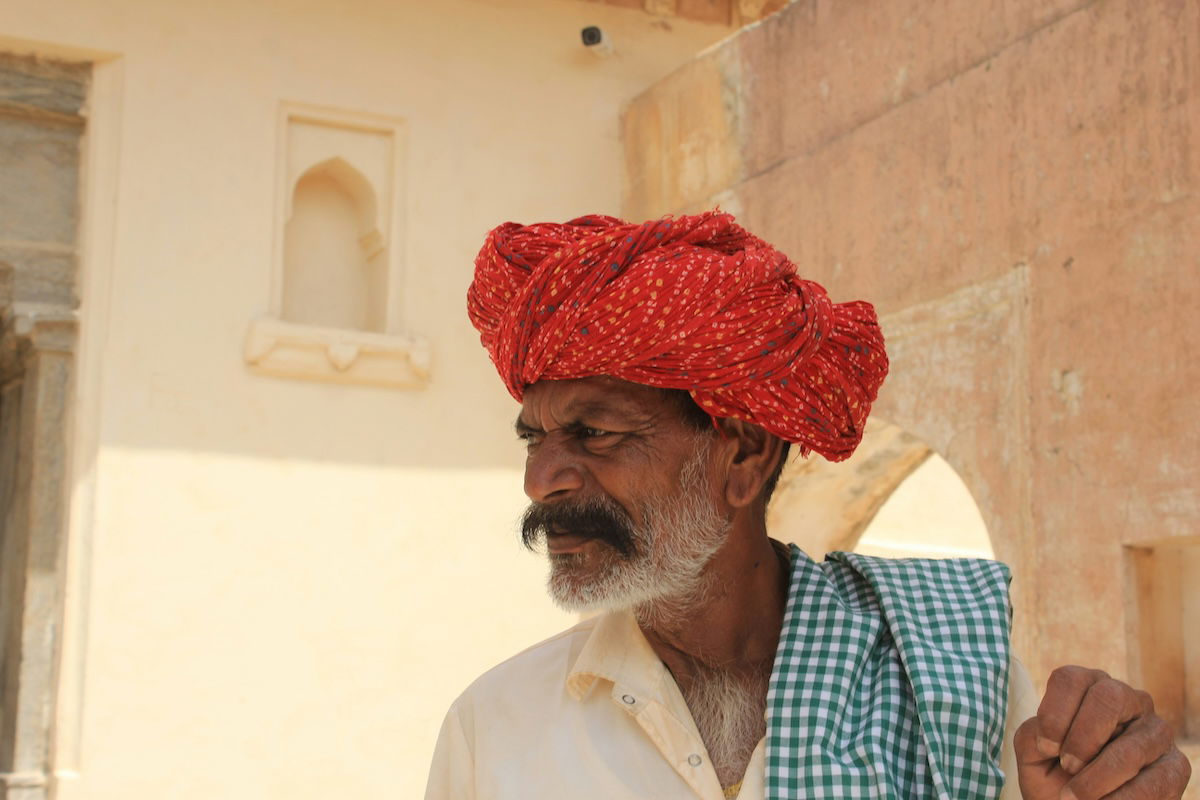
(663, 369)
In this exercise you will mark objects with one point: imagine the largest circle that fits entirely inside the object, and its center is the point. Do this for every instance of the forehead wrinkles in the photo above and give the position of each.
(553, 405)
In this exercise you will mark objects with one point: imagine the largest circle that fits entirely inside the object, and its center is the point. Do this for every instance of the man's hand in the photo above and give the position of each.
(1096, 737)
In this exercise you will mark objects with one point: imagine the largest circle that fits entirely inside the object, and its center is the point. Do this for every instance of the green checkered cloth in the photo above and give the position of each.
(891, 680)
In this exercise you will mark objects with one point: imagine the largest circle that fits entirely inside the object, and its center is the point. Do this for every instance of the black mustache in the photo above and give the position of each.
(593, 520)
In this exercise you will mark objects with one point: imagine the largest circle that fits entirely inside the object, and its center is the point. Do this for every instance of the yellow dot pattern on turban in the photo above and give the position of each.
(690, 302)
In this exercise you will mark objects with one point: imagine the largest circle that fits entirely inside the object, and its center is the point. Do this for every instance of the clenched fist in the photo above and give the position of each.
(1096, 737)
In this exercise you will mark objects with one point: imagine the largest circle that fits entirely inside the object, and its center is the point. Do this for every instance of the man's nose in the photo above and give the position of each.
(551, 473)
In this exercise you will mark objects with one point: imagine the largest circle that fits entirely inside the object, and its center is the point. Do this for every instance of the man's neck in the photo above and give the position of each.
(735, 621)
(720, 647)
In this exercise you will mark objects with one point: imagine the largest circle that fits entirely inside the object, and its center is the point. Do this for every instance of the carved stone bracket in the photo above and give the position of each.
(285, 349)
(27, 329)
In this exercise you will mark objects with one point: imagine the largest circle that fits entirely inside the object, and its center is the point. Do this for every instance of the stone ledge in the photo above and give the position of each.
(290, 350)
(23, 780)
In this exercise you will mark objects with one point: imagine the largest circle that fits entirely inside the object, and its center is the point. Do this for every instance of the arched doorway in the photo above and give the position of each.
(894, 497)
(931, 514)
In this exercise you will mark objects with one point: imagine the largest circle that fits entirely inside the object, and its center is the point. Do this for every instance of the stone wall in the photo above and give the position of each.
(40, 131)
(1014, 185)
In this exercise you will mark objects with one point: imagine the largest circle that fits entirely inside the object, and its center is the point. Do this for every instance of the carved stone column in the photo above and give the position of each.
(41, 128)
(36, 365)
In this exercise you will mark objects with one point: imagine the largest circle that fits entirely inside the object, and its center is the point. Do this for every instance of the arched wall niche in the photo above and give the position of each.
(334, 258)
(337, 288)
(352, 181)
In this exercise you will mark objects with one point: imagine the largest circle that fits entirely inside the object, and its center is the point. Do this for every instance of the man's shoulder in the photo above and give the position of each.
(543, 667)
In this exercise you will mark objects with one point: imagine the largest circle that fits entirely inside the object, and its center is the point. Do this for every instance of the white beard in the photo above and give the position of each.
(664, 575)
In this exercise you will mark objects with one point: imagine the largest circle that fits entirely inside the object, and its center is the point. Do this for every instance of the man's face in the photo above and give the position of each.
(622, 493)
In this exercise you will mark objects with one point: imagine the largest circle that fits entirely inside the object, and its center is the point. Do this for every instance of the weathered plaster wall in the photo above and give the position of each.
(1014, 185)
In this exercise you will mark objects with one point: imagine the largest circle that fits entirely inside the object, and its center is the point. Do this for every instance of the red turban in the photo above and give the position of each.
(692, 302)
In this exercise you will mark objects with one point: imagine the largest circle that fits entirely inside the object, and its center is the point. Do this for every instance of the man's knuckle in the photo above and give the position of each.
(1088, 785)
(1153, 785)
(1109, 694)
(1073, 675)
(1025, 736)
(1126, 756)
(1066, 678)
(1112, 688)
(1065, 672)
(1182, 767)
(1082, 791)
(1169, 775)
(1159, 735)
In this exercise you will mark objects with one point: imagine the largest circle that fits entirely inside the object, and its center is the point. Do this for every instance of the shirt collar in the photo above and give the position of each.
(617, 652)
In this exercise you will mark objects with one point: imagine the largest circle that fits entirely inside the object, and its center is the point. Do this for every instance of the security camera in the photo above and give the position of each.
(595, 40)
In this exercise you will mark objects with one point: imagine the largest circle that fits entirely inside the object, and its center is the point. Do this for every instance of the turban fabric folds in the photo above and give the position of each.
(690, 302)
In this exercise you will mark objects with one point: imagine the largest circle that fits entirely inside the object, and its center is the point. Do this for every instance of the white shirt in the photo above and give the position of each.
(593, 713)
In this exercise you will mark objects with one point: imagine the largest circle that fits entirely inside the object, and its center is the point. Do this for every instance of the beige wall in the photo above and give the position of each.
(276, 586)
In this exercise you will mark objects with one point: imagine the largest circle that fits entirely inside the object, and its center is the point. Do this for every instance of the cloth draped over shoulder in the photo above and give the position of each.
(690, 302)
(890, 681)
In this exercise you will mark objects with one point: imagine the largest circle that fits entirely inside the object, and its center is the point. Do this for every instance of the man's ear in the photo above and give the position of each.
(754, 456)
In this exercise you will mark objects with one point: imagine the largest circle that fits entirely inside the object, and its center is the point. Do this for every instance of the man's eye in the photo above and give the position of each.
(593, 433)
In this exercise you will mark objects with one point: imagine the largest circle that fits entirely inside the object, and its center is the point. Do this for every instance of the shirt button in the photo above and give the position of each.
(695, 760)
(628, 699)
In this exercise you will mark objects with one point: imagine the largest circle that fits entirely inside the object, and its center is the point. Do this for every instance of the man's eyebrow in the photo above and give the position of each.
(591, 410)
